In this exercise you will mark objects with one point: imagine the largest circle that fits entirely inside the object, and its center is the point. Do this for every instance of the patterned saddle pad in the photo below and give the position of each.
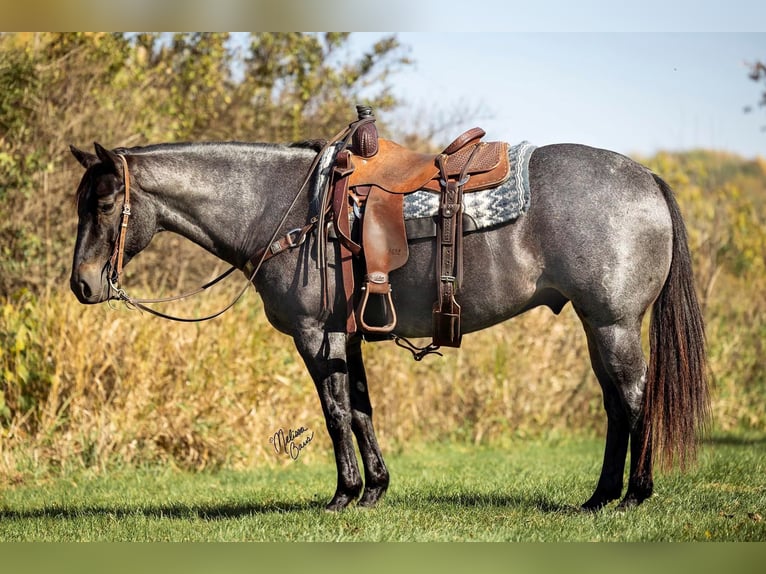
(487, 208)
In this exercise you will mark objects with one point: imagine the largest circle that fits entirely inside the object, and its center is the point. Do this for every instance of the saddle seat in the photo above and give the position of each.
(399, 170)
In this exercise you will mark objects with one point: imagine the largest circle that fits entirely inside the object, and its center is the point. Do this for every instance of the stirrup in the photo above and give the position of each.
(377, 284)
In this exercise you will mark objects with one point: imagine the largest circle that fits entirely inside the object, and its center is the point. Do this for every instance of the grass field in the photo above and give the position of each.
(526, 491)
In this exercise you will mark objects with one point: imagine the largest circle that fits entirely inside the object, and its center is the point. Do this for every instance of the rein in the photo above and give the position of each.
(293, 238)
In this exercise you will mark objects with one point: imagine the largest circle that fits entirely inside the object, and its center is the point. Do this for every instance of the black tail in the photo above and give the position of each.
(677, 402)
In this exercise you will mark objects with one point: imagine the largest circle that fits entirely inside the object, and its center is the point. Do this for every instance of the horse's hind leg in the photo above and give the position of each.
(375, 472)
(617, 434)
(325, 356)
(619, 364)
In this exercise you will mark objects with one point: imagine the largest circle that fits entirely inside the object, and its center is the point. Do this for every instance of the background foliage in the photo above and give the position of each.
(94, 387)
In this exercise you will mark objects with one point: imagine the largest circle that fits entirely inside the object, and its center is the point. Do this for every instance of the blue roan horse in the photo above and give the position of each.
(601, 232)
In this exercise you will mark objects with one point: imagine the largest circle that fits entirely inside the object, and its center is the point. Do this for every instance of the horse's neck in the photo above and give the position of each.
(222, 199)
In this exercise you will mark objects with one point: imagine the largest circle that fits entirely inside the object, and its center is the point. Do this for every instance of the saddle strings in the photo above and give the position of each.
(418, 353)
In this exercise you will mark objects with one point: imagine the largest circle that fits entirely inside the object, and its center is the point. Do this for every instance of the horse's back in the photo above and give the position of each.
(597, 232)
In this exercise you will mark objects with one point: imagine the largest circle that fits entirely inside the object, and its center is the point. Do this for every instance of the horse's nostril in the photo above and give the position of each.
(86, 283)
(85, 289)
(82, 289)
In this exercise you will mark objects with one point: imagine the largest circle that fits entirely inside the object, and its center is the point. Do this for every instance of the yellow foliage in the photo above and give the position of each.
(94, 386)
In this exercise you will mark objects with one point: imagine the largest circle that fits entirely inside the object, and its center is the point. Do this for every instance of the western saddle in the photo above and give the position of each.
(371, 176)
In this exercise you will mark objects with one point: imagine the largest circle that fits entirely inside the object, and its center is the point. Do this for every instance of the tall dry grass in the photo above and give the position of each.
(118, 387)
(97, 387)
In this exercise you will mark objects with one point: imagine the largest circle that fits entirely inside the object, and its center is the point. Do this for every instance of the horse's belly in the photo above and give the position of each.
(498, 283)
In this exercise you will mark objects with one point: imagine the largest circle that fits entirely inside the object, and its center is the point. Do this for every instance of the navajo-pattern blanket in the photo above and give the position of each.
(486, 208)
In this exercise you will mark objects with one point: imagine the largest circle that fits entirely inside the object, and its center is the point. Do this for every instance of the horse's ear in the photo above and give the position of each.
(108, 157)
(86, 159)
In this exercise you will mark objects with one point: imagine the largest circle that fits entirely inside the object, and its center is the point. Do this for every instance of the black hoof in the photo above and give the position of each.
(372, 496)
(631, 500)
(638, 491)
(598, 501)
(340, 501)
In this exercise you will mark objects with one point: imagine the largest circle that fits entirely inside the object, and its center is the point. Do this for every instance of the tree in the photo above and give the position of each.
(758, 74)
(137, 89)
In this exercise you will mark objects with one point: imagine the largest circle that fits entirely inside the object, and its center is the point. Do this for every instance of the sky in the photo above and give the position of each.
(635, 77)
(635, 93)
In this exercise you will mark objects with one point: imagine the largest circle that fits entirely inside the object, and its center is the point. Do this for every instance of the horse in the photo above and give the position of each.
(602, 232)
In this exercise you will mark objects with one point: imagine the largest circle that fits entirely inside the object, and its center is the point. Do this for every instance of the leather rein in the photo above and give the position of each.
(293, 238)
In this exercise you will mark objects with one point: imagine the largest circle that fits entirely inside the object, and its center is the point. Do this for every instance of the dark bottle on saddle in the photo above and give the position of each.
(364, 142)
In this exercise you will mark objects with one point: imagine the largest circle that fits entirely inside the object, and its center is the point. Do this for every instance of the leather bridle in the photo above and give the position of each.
(291, 239)
(118, 254)
(115, 264)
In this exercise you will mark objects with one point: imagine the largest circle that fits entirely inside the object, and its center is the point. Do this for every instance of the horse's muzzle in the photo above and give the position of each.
(89, 284)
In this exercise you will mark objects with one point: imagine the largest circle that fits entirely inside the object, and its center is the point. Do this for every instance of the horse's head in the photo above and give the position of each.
(100, 201)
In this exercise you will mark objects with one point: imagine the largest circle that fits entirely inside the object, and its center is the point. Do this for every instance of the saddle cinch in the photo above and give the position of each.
(374, 174)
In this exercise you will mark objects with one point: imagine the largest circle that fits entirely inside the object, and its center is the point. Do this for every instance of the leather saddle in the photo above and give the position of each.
(373, 175)
(399, 170)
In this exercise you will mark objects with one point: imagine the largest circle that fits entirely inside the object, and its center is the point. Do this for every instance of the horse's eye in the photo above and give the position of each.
(106, 208)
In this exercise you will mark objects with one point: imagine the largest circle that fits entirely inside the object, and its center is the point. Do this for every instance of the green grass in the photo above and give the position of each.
(527, 491)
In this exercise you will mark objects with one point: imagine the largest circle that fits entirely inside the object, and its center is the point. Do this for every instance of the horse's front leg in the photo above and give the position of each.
(325, 356)
(376, 475)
